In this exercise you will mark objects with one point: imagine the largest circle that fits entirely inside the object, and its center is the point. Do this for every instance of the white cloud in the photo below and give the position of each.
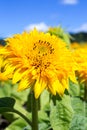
(69, 1)
(82, 28)
(39, 26)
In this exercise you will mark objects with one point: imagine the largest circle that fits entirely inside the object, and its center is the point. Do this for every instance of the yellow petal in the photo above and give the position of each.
(24, 84)
(39, 87)
(57, 86)
(73, 78)
(18, 75)
(65, 83)
(9, 70)
(52, 89)
(2, 77)
(3, 50)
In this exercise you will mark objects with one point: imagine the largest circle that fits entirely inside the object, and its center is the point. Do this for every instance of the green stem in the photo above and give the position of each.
(29, 101)
(34, 112)
(23, 116)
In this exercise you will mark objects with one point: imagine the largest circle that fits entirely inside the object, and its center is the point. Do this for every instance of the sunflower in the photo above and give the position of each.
(75, 45)
(2, 77)
(39, 61)
(80, 56)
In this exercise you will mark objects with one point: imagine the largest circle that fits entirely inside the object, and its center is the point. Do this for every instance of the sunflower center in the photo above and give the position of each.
(43, 50)
(43, 47)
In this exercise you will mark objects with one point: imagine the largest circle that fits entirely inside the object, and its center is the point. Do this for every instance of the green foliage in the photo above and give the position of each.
(79, 37)
(78, 106)
(74, 89)
(56, 113)
(82, 90)
(44, 101)
(18, 124)
(6, 104)
(7, 89)
(80, 114)
(44, 122)
(60, 32)
(79, 123)
(61, 114)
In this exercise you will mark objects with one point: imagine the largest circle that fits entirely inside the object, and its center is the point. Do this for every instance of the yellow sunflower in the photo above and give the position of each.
(1, 66)
(39, 60)
(80, 55)
(75, 45)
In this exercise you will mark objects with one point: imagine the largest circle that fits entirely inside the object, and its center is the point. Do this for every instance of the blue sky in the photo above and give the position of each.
(19, 15)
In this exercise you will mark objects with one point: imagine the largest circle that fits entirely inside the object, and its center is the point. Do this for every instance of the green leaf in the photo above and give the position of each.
(19, 96)
(80, 113)
(6, 104)
(86, 109)
(61, 114)
(78, 106)
(44, 103)
(60, 32)
(66, 38)
(5, 89)
(41, 125)
(43, 116)
(18, 124)
(82, 86)
(44, 126)
(12, 115)
(44, 122)
(74, 89)
(9, 116)
(79, 123)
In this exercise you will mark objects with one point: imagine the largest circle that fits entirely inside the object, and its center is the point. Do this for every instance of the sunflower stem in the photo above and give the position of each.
(34, 112)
